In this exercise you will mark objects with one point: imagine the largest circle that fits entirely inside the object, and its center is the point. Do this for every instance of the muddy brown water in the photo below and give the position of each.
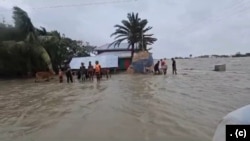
(126, 107)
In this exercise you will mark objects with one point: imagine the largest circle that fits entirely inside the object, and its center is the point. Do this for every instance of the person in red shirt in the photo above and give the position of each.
(60, 74)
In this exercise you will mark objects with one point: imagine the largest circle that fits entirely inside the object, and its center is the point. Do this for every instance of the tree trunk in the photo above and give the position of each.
(144, 47)
(132, 51)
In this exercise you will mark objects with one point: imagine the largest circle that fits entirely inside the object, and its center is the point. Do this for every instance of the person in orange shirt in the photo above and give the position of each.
(98, 70)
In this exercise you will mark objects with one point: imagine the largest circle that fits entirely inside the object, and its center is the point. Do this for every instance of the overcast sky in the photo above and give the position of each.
(182, 27)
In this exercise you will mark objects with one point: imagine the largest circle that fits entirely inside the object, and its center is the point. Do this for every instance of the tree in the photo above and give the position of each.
(24, 24)
(61, 49)
(134, 32)
(25, 48)
(22, 21)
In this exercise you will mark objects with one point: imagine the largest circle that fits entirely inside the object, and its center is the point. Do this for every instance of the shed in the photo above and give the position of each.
(106, 61)
(122, 52)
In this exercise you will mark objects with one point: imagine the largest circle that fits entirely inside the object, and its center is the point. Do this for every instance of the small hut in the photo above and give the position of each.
(123, 53)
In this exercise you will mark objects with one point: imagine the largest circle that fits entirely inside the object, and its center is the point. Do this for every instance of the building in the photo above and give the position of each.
(123, 53)
(106, 61)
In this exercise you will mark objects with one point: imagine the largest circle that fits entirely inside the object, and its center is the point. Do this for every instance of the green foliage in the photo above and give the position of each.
(10, 33)
(22, 20)
(134, 32)
(20, 51)
(24, 48)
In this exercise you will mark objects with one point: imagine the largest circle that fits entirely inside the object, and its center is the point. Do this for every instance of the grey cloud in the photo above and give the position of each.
(182, 27)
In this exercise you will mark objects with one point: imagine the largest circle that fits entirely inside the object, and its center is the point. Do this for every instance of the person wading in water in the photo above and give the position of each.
(90, 71)
(164, 66)
(156, 68)
(98, 70)
(160, 66)
(174, 66)
(83, 72)
(60, 74)
(69, 74)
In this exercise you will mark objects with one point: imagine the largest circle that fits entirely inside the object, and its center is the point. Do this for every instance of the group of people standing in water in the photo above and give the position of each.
(162, 67)
(84, 73)
(88, 73)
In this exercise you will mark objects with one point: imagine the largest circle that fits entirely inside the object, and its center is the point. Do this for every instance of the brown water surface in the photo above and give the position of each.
(126, 107)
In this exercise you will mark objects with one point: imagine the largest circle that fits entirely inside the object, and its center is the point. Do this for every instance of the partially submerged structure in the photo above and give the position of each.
(117, 58)
(122, 52)
(142, 62)
(107, 61)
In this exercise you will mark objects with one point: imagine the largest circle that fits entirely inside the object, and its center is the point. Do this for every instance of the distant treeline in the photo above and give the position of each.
(241, 55)
(217, 56)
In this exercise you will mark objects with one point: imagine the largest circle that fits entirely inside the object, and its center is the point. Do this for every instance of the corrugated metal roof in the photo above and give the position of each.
(106, 61)
(112, 47)
(120, 54)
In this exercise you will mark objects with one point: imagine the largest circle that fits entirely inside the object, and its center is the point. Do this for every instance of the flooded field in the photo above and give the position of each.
(126, 107)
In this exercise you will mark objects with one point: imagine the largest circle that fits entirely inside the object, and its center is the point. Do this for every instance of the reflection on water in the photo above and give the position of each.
(126, 107)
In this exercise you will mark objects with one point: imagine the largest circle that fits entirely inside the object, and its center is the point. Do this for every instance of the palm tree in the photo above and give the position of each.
(145, 39)
(133, 31)
(22, 21)
(24, 24)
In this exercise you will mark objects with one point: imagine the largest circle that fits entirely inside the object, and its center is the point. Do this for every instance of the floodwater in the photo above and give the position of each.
(126, 107)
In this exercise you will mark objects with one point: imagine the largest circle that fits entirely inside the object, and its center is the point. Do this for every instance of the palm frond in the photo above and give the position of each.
(143, 23)
(43, 30)
(147, 29)
(22, 20)
(121, 27)
(148, 35)
(121, 35)
(117, 43)
(149, 48)
(127, 24)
